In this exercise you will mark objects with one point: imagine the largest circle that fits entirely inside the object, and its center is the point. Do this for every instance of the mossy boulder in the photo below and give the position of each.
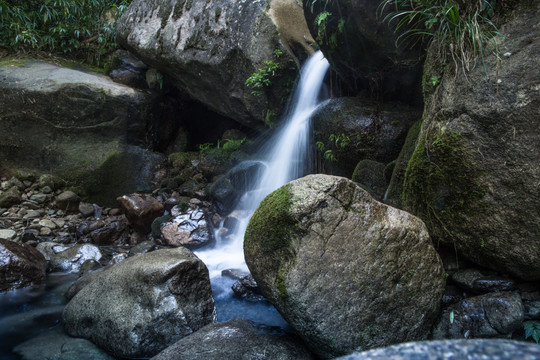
(474, 174)
(355, 129)
(80, 126)
(370, 175)
(343, 268)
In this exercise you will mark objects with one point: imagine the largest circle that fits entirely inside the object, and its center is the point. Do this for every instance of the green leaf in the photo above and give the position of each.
(451, 317)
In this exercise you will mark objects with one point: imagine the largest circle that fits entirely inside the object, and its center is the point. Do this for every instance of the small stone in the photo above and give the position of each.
(59, 222)
(7, 234)
(465, 278)
(47, 223)
(46, 190)
(142, 248)
(115, 211)
(45, 231)
(10, 197)
(30, 235)
(39, 198)
(88, 266)
(235, 274)
(493, 284)
(34, 214)
(118, 258)
(68, 201)
(86, 209)
(195, 202)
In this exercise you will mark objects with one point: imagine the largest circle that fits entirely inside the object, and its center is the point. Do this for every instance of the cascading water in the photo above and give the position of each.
(285, 156)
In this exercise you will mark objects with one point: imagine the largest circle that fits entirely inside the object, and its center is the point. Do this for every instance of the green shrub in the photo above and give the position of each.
(461, 28)
(81, 28)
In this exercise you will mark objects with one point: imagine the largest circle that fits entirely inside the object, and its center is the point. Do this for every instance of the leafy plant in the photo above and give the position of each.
(233, 145)
(532, 330)
(335, 142)
(262, 77)
(205, 146)
(459, 27)
(79, 27)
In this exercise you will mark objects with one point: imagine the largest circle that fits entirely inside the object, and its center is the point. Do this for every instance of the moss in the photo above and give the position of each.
(270, 231)
(443, 186)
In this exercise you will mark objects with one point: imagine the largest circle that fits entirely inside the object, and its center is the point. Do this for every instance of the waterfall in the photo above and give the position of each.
(284, 159)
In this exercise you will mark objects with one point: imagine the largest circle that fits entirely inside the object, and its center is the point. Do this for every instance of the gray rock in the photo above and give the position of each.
(370, 175)
(20, 265)
(34, 214)
(142, 248)
(170, 289)
(531, 310)
(81, 282)
(72, 259)
(466, 278)
(54, 345)
(374, 131)
(343, 268)
(474, 175)
(68, 201)
(49, 249)
(7, 234)
(247, 288)
(190, 229)
(86, 209)
(235, 340)
(83, 125)
(484, 316)
(493, 283)
(10, 197)
(492, 349)
(210, 48)
(39, 198)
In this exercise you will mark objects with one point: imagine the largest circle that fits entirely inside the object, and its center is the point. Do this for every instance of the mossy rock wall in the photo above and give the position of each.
(474, 175)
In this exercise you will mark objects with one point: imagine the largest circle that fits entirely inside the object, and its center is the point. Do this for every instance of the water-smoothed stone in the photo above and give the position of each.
(10, 197)
(191, 229)
(34, 214)
(466, 278)
(48, 223)
(86, 209)
(7, 234)
(531, 310)
(54, 345)
(170, 290)
(452, 294)
(493, 283)
(484, 316)
(68, 201)
(49, 249)
(113, 231)
(343, 268)
(141, 210)
(142, 248)
(474, 349)
(50, 181)
(81, 282)
(247, 288)
(235, 340)
(20, 265)
(71, 259)
(370, 175)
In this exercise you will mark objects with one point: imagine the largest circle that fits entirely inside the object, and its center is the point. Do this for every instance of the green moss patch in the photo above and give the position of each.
(443, 186)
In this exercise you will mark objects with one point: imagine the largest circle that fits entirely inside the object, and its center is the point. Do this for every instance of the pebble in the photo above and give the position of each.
(34, 214)
(47, 223)
(7, 234)
(45, 231)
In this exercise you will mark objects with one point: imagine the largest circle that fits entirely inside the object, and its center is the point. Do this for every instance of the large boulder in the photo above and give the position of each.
(209, 49)
(79, 125)
(364, 50)
(343, 268)
(476, 349)
(143, 304)
(355, 129)
(20, 265)
(474, 175)
(235, 340)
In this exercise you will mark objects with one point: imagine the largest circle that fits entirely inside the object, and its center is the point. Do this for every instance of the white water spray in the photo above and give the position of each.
(284, 160)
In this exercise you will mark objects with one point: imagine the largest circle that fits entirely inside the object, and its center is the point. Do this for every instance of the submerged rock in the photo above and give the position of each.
(477, 349)
(138, 307)
(343, 268)
(20, 265)
(235, 340)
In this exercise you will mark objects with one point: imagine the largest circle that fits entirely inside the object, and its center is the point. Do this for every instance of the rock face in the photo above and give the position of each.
(234, 340)
(490, 315)
(366, 130)
(362, 49)
(476, 349)
(20, 265)
(474, 175)
(210, 48)
(83, 126)
(143, 304)
(343, 268)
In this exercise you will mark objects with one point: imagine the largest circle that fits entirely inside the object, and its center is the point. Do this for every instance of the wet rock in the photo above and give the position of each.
(370, 175)
(142, 248)
(58, 346)
(235, 340)
(452, 294)
(7, 234)
(49, 181)
(10, 197)
(20, 265)
(473, 349)
(89, 266)
(531, 310)
(118, 258)
(170, 290)
(493, 283)
(47, 223)
(68, 201)
(140, 210)
(235, 274)
(380, 262)
(190, 229)
(466, 278)
(490, 315)
(114, 231)
(131, 71)
(81, 282)
(34, 214)
(86, 209)
(70, 260)
(45, 231)
(40, 198)
(247, 288)
(29, 235)
(49, 249)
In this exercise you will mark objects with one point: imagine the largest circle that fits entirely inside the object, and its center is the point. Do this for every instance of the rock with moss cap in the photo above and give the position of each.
(343, 268)
(474, 174)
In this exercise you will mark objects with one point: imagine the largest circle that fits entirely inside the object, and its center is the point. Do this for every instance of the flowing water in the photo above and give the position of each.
(286, 155)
